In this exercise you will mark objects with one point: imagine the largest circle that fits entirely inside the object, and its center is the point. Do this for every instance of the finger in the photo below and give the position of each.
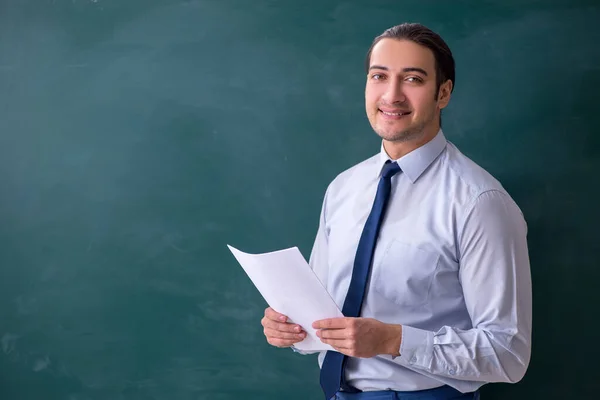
(342, 345)
(271, 333)
(281, 342)
(339, 344)
(338, 334)
(274, 315)
(331, 323)
(281, 326)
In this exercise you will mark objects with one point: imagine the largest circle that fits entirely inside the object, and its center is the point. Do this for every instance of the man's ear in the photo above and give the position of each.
(444, 94)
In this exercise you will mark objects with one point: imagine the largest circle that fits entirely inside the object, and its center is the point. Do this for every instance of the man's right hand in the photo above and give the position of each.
(278, 331)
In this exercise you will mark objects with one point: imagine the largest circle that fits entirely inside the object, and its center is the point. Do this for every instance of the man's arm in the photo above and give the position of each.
(319, 255)
(495, 275)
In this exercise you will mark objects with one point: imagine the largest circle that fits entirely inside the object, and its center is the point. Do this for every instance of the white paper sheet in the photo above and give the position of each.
(290, 287)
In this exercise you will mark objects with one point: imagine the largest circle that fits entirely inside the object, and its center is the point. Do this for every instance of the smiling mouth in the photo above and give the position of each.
(395, 114)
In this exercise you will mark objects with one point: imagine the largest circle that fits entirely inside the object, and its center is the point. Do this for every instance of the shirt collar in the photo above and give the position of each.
(416, 162)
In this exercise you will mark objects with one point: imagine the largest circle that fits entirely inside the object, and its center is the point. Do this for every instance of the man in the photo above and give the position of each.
(441, 304)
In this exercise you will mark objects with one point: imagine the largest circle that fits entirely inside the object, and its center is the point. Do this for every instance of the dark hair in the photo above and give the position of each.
(444, 61)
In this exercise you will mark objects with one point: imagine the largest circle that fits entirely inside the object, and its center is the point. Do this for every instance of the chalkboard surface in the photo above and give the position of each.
(139, 137)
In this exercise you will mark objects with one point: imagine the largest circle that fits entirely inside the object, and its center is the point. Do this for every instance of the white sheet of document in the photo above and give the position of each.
(290, 287)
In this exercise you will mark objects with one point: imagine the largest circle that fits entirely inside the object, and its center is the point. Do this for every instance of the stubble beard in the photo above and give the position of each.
(406, 135)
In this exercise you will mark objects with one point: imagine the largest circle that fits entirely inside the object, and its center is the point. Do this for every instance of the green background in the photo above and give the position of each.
(139, 137)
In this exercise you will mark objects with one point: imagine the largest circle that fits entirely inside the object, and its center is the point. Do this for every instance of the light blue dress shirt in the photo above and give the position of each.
(451, 266)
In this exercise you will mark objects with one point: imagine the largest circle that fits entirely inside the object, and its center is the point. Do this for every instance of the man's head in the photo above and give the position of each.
(410, 76)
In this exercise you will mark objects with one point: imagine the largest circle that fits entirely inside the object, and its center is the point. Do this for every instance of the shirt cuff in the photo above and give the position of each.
(416, 347)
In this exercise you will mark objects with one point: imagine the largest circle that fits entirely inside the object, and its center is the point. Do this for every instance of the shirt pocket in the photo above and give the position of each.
(404, 274)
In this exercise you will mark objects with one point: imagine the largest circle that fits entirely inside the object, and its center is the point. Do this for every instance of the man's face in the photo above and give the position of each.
(400, 93)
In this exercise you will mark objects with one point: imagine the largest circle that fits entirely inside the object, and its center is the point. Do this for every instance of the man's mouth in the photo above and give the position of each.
(398, 113)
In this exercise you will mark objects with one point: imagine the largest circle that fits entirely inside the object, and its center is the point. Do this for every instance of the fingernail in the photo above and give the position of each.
(282, 318)
(302, 335)
(297, 329)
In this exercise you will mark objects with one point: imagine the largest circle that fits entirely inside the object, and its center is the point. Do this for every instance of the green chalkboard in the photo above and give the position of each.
(139, 137)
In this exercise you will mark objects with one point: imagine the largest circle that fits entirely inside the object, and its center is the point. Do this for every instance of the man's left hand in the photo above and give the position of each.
(360, 337)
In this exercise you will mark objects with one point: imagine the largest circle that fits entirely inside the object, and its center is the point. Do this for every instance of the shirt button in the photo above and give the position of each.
(413, 360)
(452, 372)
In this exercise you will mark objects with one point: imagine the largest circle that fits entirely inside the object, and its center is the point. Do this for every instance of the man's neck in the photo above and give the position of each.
(398, 149)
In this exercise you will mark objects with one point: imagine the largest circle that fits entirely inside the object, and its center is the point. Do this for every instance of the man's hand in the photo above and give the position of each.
(360, 337)
(278, 331)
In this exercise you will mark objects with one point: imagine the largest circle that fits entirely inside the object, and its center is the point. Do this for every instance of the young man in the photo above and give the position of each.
(423, 250)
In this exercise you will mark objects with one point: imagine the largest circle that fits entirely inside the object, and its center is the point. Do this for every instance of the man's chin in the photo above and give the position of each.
(398, 136)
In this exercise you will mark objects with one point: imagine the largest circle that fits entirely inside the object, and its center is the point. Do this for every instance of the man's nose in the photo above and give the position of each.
(394, 93)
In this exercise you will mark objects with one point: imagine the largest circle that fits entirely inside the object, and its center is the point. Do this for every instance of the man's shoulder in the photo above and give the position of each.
(477, 179)
(356, 172)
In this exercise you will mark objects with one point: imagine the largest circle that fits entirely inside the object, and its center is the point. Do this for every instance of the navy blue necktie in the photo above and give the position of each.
(332, 370)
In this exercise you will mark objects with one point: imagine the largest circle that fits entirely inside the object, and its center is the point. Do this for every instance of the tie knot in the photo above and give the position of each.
(390, 169)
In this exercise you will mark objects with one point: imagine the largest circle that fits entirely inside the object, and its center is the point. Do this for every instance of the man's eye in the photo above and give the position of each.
(414, 79)
(377, 77)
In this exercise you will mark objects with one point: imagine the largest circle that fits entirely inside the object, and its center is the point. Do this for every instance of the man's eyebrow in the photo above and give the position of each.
(415, 69)
(378, 67)
(407, 69)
